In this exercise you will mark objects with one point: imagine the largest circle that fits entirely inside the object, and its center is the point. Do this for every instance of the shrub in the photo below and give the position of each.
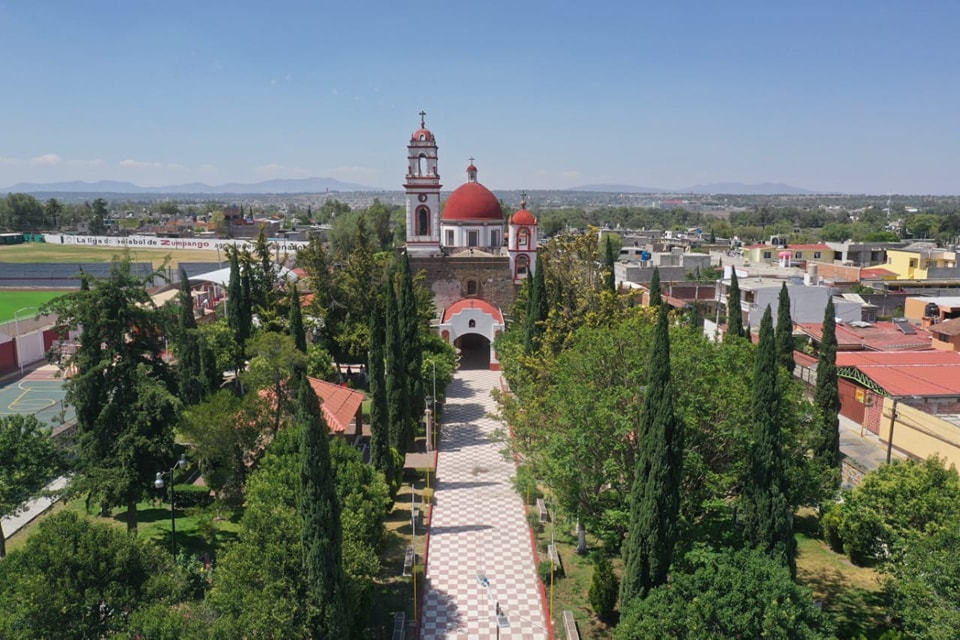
(525, 483)
(604, 588)
(191, 495)
(830, 523)
(544, 569)
(533, 519)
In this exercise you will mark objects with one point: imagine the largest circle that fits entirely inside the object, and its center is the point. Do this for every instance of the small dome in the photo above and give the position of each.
(472, 201)
(422, 135)
(523, 217)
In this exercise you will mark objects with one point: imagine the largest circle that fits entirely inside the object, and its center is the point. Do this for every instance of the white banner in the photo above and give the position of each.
(152, 242)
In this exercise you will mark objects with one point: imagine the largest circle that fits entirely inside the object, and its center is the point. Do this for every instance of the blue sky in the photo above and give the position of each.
(850, 96)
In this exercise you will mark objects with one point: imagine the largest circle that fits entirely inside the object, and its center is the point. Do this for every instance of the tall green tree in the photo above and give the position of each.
(190, 373)
(609, 261)
(538, 308)
(766, 515)
(784, 331)
(409, 321)
(237, 311)
(122, 388)
(52, 209)
(826, 397)
(398, 406)
(295, 321)
(734, 312)
(322, 532)
(380, 456)
(656, 293)
(30, 460)
(655, 498)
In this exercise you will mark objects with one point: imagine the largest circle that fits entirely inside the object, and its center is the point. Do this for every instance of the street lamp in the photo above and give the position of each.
(428, 418)
(16, 323)
(158, 483)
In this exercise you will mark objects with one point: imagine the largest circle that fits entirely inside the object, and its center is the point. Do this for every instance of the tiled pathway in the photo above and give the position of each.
(479, 527)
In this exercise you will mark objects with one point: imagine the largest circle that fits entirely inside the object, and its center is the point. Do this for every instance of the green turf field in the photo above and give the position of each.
(42, 252)
(11, 301)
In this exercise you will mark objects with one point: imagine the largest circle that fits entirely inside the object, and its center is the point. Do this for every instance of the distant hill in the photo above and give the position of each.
(739, 188)
(291, 185)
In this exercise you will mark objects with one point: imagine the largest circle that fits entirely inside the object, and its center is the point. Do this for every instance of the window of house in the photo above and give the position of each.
(472, 287)
(798, 255)
(449, 237)
(423, 221)
(816, 255)
(913, 262)
(767, 255)
(473, 238)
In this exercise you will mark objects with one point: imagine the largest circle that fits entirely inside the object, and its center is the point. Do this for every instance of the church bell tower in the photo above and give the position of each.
(422, 188)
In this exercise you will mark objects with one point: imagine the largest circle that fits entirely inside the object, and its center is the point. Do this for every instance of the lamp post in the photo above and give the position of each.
(428, 418)
(158, 483)
(16, 324)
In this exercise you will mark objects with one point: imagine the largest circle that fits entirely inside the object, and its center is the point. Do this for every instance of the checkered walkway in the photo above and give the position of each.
(479, 528)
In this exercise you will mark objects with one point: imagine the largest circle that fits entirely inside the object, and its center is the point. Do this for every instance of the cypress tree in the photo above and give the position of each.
(609, 260)
(398, 408)
(234, 293)
(784, 332)
(380, 456)
(655, 496)
(409, 320)
(295, 320)
(766, 512)
(734, 313)
(826, 395)
(537, 309)
(189, 364)
(656, 294)
(322, 530)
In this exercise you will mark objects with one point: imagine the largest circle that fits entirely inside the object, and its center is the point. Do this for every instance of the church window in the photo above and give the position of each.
(495, 238)
(423, 221)
(523, 237)
(449, 237)
(472, 287)
(422, 169)
(523, 262)
(472, 324)
(473, 238)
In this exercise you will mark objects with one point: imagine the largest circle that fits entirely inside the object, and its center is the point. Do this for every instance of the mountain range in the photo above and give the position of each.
(321, 185)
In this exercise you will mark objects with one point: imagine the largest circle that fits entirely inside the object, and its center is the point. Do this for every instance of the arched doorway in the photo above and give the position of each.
(474, 351)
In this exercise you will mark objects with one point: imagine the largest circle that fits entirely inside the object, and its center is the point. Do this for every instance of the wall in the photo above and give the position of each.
(836, 272)
(920, 435)
(447, 278)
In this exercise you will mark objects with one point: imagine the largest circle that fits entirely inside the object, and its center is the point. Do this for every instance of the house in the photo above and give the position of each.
(807, 302)
(870, 336)
(786, 255)
(862, 254)
(946, 335)
(923, 261)
(930, 310)
(910, 399)
(342, 408)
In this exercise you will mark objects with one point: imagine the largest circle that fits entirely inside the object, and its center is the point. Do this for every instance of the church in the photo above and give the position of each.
(474, 260)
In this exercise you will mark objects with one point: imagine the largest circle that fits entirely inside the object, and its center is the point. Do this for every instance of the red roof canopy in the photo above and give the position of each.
(910, 373)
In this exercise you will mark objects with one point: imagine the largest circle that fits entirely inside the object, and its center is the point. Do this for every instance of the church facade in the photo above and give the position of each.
(474, 260)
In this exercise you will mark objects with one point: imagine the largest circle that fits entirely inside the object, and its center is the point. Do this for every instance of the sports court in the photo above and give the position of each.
(39, 393)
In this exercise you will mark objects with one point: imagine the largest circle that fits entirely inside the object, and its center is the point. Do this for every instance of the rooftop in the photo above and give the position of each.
(910, 373)
(865, 336)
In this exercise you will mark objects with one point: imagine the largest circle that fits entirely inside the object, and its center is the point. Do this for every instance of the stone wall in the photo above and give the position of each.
(449, 279)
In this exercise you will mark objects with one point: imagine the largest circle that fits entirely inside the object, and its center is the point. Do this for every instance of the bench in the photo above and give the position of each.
(542, 508)
(570, 626)
(400, 625)
(408, 559)
(554, 556)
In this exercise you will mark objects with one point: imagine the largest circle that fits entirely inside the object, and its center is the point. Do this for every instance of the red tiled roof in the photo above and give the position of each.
(947, 327)
(340, 405)
(472, 303)
(918, 373)
(879, 336)
(876, 272)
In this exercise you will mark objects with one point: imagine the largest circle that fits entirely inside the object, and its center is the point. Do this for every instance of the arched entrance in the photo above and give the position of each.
(471, 325)
(474, 351)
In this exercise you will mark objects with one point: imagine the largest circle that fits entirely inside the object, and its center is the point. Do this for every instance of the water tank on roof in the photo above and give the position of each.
(931, 310)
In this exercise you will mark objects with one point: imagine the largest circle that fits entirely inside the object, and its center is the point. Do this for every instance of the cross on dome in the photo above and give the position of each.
(422, 114)
(523, 199)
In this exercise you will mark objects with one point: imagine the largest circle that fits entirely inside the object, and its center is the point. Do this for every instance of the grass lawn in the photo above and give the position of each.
(197, 532)
(13, 300)
(852, 596)
(42, 252)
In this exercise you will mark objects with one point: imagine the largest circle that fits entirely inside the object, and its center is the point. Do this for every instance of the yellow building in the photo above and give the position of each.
(922, 261)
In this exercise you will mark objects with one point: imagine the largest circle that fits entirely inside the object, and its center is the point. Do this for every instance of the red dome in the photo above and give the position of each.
(472, 201)
(424, 135)
(523, 217)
